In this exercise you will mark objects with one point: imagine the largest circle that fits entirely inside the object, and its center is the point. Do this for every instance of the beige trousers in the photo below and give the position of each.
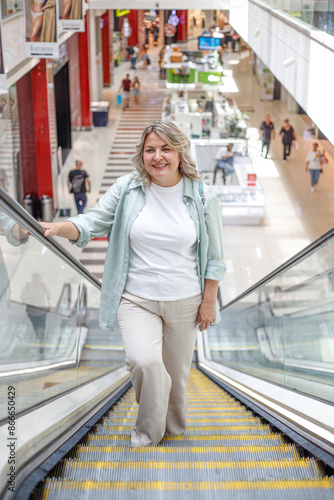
(159, 340)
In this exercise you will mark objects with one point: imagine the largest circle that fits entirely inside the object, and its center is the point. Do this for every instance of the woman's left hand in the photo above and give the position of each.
(206, 314)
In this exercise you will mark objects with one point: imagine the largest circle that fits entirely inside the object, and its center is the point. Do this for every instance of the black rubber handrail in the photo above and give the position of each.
(307, 251)
(24, 219)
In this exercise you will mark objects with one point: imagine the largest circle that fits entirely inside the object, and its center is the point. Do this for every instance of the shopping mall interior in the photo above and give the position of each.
(79, 83)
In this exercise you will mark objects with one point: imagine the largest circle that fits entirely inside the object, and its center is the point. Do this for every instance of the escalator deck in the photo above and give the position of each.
(226, 453)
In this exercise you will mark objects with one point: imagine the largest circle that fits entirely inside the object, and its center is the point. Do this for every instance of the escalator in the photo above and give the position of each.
(226, 450)
(260, 422)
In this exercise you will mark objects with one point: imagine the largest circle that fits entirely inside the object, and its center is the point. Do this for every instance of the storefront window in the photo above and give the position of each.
(11, 7)
(10, 176)
(316, 13)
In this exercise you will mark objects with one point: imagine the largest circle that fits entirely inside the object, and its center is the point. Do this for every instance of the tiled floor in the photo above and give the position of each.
(293, 215)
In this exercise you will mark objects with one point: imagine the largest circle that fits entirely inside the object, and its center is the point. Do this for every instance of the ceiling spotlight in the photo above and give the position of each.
(256, 33)
(289, 61)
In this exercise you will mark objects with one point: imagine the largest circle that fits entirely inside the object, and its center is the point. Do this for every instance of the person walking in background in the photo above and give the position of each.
(134, 56)
(136, 90)
(162, 271)
(267, 132)
(125, 85)
(288, 135)
(77, 183)
(313, 164)
(156, 28)
(144, 57)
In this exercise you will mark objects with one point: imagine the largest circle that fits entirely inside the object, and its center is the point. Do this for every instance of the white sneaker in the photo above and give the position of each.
(312, 189)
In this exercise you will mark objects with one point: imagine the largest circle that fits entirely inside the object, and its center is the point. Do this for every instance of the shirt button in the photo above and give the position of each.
(187, 203)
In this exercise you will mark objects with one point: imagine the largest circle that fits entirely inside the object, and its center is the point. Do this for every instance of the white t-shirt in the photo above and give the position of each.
(135, 51)
(313, 158)
(223, 151)
(163, 248)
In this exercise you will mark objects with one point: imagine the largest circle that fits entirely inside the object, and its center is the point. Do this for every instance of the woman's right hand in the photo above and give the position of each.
(50, 228)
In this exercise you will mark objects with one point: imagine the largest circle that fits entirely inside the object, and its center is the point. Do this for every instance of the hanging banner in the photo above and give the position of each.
(120, 12)
(41, 28)
(3, 79)
(71, 15)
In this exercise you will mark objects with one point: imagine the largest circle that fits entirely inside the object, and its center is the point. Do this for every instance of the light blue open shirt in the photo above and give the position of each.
(116, 211)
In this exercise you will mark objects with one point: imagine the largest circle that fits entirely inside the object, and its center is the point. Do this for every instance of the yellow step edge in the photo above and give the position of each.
(187, 449)
(189, 486)
(198, 420)
(301, 463)
(241, 427)
(243, 437)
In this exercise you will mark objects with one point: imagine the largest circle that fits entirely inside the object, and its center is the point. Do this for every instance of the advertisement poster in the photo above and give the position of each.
(71, 15)
(3, 82)
(41, 28)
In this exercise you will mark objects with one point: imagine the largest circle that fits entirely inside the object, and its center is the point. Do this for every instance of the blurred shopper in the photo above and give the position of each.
(148, 26)
(288, 135)
(163, 267)
(134, 55)
(145, 57)
(156, 28)
(36, 295)
(136, 90)
(225, 160)
(77, 183)
(126, 86)
(313, 165)
(267, 132)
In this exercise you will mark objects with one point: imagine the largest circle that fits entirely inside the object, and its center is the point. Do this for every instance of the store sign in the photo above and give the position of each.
(3, 79)
(251, 179)
(169, 29)
(173, 19)
(71, 15)
(41, 30)
(120, 12)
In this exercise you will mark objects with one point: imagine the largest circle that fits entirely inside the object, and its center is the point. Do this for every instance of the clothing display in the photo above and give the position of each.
(48, 33)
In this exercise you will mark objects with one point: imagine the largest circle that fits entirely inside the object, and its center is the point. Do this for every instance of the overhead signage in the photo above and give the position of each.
(169, 29)
(71, 15)
(120, 12)
(41, 31)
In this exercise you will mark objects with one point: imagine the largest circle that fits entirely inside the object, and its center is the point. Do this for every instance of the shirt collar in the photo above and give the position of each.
(187, 190)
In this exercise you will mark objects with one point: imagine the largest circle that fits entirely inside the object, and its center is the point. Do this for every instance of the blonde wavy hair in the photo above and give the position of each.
(175, 139)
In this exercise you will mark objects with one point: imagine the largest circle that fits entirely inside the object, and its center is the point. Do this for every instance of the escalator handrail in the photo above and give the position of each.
(295, 259)
(23, 218)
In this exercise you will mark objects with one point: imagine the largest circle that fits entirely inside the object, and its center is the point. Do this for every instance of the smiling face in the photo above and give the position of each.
(161, 162)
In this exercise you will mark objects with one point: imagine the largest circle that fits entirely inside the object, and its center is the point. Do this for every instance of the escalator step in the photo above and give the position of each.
(226, 453)
(198, 490)
(169, 453)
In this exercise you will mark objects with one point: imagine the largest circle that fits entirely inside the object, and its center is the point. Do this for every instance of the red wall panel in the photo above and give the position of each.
(41, 128)
(182, 34)
(27, 135)
(74, 81)
(83, 46)
(106, 48)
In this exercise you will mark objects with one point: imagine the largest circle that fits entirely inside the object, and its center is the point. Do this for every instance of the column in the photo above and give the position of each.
(41, 129)
(27, 135)
(106, 35)
(83, 48)
(182, 28)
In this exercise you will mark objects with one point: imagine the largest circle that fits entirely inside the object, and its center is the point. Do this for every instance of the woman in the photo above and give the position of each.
(288, 135)
(36, 20)
(48, 32)
(163, 266)
(136, 90)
